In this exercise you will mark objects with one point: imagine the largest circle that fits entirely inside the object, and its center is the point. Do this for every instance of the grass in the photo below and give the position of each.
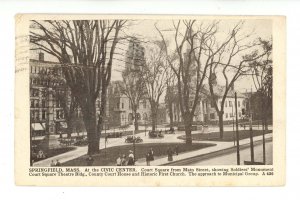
(108, 157)
(53, 152)
(124, 133)
(227, 136)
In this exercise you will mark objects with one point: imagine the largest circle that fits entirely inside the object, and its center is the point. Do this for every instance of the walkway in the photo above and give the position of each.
(80, 151)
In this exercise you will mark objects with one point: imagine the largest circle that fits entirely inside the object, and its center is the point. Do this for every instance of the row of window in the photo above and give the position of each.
(35, 103)
(45, 70)
(230, 104)
(230, 115)
(144, 105)
(35, 114)
(45, 82)
(34, 92)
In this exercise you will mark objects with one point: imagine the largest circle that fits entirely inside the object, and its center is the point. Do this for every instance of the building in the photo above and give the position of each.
(119, 109)
(205, 112)
(229, 105)
(47, 86)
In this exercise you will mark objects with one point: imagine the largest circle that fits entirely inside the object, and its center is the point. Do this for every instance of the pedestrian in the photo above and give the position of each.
(130, 158)
(90, 160)
(52, 164)
(106, 139)
(57, 163)
(123, 160)
(176, 150)
(170, 154)
(151, 154)
(119, 161)
(148, 159)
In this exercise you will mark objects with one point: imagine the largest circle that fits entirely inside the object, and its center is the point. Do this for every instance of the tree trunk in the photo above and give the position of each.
(171, 116)
(69, 128)
(221, 125)
(188, 129)
(153, 118)
(91, 129)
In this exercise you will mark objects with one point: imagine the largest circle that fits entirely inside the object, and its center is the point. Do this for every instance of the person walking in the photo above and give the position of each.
(89, 160)
(52, 164)
(57, 163)
(123, 160)
(148, 159)
(119, 161)
(176, 150)
(151, 154)
(130, 158)
(170, 154)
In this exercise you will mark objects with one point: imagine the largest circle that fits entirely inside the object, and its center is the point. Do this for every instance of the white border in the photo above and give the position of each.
(268, 7)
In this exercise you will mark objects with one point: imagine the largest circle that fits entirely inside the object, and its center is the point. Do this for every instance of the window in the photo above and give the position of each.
(212, 104)
(122, 105)
(31, 103)
(37, 103)
(225, 103)
(58, 104)
(239, 104)
(57, 114)
(43, 103)
(230, 104)
(37, 115)
(145, 104)
(231, 115)
(212, 115)
(44, 114)
(226, 115)
(41, 56)
(240, 114)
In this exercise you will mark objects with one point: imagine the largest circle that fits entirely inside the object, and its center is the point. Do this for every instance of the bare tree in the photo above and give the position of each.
(133, 86)
(194, 59)
(231, 61)
(170, 97)
(262, 76)
(154, 78)
(63, 95)
(85, 49)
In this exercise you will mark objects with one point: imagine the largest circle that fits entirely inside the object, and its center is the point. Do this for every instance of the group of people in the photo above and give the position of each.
(149, 156)
(124, 161)
(55, 164)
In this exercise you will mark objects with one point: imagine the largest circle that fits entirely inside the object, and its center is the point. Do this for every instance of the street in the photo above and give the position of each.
(230, 159)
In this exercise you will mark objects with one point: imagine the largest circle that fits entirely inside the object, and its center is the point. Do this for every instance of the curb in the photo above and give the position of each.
(202, 157)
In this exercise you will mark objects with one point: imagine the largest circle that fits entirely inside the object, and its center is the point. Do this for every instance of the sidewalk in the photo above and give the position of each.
(80, 151)
(219, 146)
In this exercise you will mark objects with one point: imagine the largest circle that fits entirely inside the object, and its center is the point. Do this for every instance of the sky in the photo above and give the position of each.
(146, 31)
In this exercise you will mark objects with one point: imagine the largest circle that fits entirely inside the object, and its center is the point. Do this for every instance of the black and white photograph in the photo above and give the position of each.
(151, 92)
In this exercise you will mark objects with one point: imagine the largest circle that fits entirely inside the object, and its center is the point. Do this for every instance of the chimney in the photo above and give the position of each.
(41, 56)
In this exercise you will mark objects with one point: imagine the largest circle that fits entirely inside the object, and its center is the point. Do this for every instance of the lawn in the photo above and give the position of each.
(108, 157)
(53, 152)
(227, 136)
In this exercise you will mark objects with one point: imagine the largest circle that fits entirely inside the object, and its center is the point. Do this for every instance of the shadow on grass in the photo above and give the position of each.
(108, 157)
(228, 136)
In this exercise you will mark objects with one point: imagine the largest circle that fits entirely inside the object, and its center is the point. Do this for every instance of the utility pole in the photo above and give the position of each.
(251, 131)
(237, 132)
(263, 127)
(233, 125)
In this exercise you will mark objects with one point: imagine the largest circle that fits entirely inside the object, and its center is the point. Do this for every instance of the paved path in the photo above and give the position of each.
(219, 146)
(170, 138)
(230, 159)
